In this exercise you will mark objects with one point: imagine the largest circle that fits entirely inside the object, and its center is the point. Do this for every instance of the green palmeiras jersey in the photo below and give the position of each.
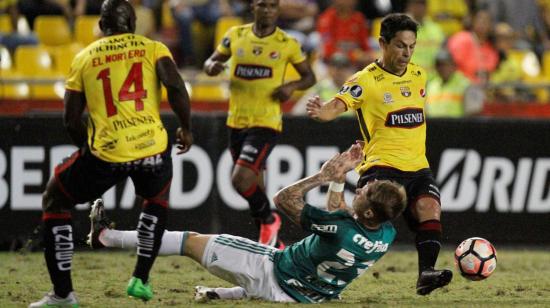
(340, 249)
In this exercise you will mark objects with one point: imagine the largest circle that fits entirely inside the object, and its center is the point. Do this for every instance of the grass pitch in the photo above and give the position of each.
(522, 279)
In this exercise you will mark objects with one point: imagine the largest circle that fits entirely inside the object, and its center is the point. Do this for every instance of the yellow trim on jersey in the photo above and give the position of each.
(118, 77)
(257, 68)
(390, 111)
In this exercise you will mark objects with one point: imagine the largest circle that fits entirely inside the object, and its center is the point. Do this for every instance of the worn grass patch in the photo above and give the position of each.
(522, 278)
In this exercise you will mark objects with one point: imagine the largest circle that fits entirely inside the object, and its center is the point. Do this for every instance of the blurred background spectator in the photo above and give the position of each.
(430, 36)
(473, 49)
(10, 36)
(526, 20)
(297, 18)
(344, 29)
(450, 93)
(338, 69)
(34, 8)
(200, 16)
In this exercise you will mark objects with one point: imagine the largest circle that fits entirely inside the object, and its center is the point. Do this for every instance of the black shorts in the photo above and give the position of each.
(250, 147)
(83, 177)
(417, 184)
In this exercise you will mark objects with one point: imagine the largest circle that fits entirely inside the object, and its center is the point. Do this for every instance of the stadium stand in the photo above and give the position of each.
(35, 64)
(52, 30)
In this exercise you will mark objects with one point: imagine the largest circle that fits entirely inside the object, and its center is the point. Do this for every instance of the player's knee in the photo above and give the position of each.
(53, 199)
(427, 208)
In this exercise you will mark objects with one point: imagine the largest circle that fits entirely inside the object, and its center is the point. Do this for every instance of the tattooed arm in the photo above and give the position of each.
(290, 200)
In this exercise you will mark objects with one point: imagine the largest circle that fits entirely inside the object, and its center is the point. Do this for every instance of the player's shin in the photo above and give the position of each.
(428, 243)
(259, 204)
(58, 250)
(150, 229)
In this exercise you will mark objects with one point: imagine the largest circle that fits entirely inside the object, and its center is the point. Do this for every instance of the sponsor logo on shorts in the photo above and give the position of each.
(405, 118)
(251, 72)
(246, 157)
(250, 149)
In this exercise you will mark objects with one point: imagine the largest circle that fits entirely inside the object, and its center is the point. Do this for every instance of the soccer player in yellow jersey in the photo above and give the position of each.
(388, 97)
(118, 79)
(259, 55)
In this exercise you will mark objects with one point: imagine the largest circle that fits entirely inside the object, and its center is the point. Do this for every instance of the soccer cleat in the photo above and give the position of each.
(137, 289)
(98, 222)
(269, 232)
(431, 279)
(205, 294)
(52, 300)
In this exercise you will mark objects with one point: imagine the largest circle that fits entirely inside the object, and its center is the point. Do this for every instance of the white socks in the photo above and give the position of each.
(171, 240)
(230, 293)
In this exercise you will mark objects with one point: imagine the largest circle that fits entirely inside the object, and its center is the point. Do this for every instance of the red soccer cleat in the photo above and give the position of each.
(269, 232)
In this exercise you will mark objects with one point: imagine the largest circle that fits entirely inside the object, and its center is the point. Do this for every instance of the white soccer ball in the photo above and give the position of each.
(476, 258)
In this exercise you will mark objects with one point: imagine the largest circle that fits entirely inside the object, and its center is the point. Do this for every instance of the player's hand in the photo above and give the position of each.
(313, 107)
(215, 67)
(184, 138)
(282, 93)
(352, 157)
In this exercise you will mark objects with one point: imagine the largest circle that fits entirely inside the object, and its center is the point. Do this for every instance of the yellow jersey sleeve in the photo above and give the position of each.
(225, 46)
(296, 55)
(352, 92)
(161, 51)
(74, 80)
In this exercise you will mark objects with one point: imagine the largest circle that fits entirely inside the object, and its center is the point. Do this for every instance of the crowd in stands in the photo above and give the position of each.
(474, 51)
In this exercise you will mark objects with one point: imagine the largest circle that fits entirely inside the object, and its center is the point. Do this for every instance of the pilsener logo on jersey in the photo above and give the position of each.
(251, 72)
(406, 118)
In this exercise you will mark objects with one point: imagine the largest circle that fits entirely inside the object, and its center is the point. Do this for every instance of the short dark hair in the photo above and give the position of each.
(117, 16)
(393, 23)
(386, 199)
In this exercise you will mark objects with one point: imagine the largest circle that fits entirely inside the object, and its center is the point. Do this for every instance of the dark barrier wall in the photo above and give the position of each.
(493, 176)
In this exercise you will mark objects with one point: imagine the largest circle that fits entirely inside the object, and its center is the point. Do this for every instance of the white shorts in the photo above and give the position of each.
(245, 263)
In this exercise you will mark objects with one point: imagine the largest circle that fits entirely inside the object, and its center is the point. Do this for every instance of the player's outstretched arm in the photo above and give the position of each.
(307, 79)
(75, 103)
(215, 64)
(178, 99)
(290, 200)
(324, 112)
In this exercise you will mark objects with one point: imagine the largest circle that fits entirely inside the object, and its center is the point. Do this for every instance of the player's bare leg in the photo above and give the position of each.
(428, 244)
(249, 184)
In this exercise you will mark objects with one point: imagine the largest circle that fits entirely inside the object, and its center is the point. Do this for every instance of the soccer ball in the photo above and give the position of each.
(476, 258)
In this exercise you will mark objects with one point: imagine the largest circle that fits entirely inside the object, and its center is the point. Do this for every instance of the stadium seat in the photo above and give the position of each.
(86, 29)
(5, 59)
(52, 30)
(223, 24)
(34, 63)
(9, 87)
(12, 86)
(62, 57)
(5, 23)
